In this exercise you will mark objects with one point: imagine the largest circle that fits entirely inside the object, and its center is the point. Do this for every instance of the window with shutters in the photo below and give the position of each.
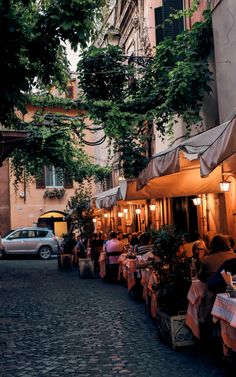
(54, 177)
(168, 29)
(70, 92)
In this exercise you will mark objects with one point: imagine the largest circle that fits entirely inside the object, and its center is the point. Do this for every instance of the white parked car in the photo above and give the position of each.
(30, 240)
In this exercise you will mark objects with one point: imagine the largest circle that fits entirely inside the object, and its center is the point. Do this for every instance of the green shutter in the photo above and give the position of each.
(40, 180)
(159, 20)
(68, 181)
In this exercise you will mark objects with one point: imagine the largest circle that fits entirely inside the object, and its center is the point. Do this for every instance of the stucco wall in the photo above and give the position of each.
(4, 199)
(224, 28)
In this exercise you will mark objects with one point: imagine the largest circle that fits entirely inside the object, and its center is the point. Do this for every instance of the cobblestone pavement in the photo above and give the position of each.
(55, 324)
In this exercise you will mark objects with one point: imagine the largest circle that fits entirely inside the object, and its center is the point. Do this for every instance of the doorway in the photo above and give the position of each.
(184, 214)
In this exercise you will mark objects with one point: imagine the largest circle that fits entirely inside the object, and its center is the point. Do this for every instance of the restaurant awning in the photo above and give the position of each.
(9, 140)
(210, 148)
(108, 198)
(184, 183)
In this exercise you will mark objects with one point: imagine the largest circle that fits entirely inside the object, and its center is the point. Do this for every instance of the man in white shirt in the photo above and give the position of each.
(114, 246)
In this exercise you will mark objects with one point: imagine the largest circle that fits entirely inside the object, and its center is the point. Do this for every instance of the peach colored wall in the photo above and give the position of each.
(25, 211)
(197, 16)
(150, 19)
(4, 198)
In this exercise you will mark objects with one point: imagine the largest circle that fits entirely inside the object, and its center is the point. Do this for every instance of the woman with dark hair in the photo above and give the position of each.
(220, 251)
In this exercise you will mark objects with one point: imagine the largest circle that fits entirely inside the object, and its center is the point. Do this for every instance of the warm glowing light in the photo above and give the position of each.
(152, 207)
(125, 210)
(224, 186)
(106, 215)
(94, 220)
(197, 201)
(138, 211)
(120, 214)
(121, 178)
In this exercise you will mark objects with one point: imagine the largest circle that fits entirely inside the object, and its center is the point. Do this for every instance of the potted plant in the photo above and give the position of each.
(174, 283)
(58, 193)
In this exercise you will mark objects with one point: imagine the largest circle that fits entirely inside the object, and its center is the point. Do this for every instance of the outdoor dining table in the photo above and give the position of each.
(196, 292)
(102, 264)
(148, 280)
(127, 268)
(224, 310)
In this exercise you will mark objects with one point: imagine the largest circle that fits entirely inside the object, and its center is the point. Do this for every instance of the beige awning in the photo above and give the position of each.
(108, 198)
(184, 183)
(211, 148)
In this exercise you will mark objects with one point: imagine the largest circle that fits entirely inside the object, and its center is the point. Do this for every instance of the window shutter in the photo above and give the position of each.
(158, 22)
(68, 181)
(176, 26)
(40, 180)
(70, 92)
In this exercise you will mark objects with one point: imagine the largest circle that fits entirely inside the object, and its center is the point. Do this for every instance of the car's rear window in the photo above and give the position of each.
(41, 233)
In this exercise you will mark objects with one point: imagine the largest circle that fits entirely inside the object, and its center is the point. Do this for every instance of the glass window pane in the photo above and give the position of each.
(58, 176)
(53, 177)
(49, 176)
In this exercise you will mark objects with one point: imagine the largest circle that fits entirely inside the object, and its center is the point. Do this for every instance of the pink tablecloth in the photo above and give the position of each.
(149, 279)
(127, 268)
(102, 264)
(224, 310)
(196, 292)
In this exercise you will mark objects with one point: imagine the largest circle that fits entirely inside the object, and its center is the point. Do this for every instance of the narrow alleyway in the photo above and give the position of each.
(55, 324)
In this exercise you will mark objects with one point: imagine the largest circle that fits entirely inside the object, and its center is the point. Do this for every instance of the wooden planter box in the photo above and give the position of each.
(86, 268)
(172, 330)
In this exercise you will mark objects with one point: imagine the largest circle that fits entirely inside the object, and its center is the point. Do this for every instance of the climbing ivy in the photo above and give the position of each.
(124, 99)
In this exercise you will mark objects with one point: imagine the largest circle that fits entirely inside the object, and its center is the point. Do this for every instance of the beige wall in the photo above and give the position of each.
(224, 28)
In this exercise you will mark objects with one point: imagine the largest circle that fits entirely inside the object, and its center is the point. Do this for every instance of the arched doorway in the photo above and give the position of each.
(55, 220)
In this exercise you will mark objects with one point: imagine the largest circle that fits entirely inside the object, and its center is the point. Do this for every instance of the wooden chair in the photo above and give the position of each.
(64, 260)
(112, 268)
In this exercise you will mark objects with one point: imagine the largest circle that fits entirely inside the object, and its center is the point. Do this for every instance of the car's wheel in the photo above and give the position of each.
(45, 252)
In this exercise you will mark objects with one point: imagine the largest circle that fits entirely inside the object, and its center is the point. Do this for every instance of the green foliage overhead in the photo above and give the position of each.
(55, 140)
(31, 33)
(43, 101)
(124, 99)
(102, 73)
(121, 99)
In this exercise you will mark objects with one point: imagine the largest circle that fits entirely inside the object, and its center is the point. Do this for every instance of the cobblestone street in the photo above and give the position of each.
(55, 324)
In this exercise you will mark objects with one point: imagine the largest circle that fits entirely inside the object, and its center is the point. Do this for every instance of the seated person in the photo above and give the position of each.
(217, 283)
(220, 251)
(199, 253)
(112, 246)
(185, 249)
(144, 250)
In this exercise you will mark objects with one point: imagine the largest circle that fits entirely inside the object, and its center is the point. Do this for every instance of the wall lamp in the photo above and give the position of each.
(138, 211)
(112, 37)
(225, 184)
(152, 207)
(197, 201)
(120, 214)
(106, 215)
